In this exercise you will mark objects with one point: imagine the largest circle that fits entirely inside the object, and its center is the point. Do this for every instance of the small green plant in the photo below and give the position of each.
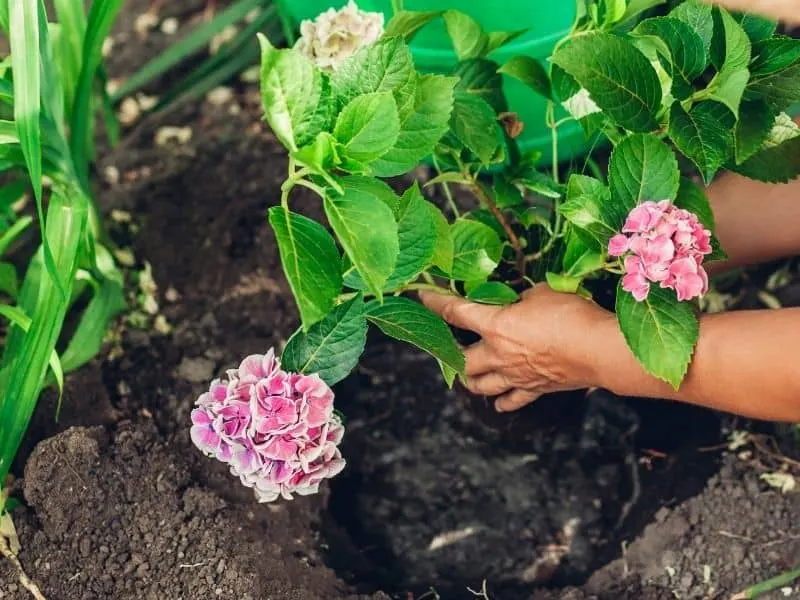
(351, 110)
(700, 82)
(49, 101)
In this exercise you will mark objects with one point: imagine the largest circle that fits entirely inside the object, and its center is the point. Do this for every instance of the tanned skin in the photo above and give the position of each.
(746, 362)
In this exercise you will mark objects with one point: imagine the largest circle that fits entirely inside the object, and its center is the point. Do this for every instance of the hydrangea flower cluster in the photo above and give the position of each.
(336, 35)
(666, 245)
(277, 430)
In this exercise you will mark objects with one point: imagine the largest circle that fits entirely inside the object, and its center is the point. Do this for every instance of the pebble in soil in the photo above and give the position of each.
(432, 497)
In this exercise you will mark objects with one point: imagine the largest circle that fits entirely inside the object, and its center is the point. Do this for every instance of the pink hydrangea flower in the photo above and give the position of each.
(662, 244)
(277, 430)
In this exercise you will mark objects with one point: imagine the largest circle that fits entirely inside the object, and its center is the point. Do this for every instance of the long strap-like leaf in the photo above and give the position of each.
(101, 18)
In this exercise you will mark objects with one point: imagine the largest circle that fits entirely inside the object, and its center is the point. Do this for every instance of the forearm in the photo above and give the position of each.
(745, 363)
(781, 10)
(756, 222)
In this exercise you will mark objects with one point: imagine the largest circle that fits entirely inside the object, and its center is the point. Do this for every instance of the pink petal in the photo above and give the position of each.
(205, 438)
(637, 285)
(618, 245)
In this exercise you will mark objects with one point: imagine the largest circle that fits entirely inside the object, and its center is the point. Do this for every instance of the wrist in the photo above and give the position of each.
(590, 347)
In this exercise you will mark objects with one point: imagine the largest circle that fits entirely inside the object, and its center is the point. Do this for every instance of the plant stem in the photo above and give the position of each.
(501, 218)
(451, 203)
(768, 586)
(422, 287)
(312, 186)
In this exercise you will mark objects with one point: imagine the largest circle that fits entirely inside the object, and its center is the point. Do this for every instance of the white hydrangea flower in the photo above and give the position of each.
(581, 105)
(784, 130)
(336, 35)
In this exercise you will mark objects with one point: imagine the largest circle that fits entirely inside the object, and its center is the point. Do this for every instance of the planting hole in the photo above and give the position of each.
(440, 493)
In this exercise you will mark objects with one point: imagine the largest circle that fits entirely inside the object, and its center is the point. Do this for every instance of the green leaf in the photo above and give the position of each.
(776, 72)
(774, 55)
(293, 92)
(107, 302)
(27, 355)
(613, 11)
(581, 259)
(102, 16)
(530, 72)
(469, 39)
(704, 135)
(474, 124)
(18, 317)
(588, 208)
(72, 20)
(8, 280)
(330, 348)
(756, 119)
(367, 230)
(757, 28)
(642, 168)
(443, 248)
(368, 126)
(321, 155)
(498, 39)
(385, 66)
(493, 292)
(733, 75)
(636, 7)
(406, 23)
(698, 15)
(564, 284)
(505, 193)
(311, 263)
(687, 55)
(779, 164)
(448, 177)
(409, 321)
(479, 76)
(477, 250)
(420, 129)
(417, 237)
(660, 331)
(25, 61)
(693, 198)
(192, 43)
(619, 78)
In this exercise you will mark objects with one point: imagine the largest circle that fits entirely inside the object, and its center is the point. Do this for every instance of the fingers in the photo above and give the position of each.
(460, 312)
(515, 400)
(480, 359)
(492, 384)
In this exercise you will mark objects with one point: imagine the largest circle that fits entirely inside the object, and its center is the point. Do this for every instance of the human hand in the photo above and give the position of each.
(536, 346)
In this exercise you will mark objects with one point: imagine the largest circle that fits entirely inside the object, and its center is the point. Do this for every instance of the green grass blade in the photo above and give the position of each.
(241, 52)
(25, 33)
(287, 25)
(21, 320)
(4, 17)
(192, 43)
(22, 373)
(72, 19)
(9, 284)
(52, 89)
(101, 18)
(106, 304)
(13, 232)
(10, 194)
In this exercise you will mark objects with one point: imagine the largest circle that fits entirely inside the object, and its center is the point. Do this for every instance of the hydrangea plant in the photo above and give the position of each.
(700, 85)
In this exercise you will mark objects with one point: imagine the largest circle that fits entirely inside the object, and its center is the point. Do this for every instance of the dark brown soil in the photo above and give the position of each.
(618, 502)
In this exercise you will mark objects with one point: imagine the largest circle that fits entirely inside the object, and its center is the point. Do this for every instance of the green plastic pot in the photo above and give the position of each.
(433, 52)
